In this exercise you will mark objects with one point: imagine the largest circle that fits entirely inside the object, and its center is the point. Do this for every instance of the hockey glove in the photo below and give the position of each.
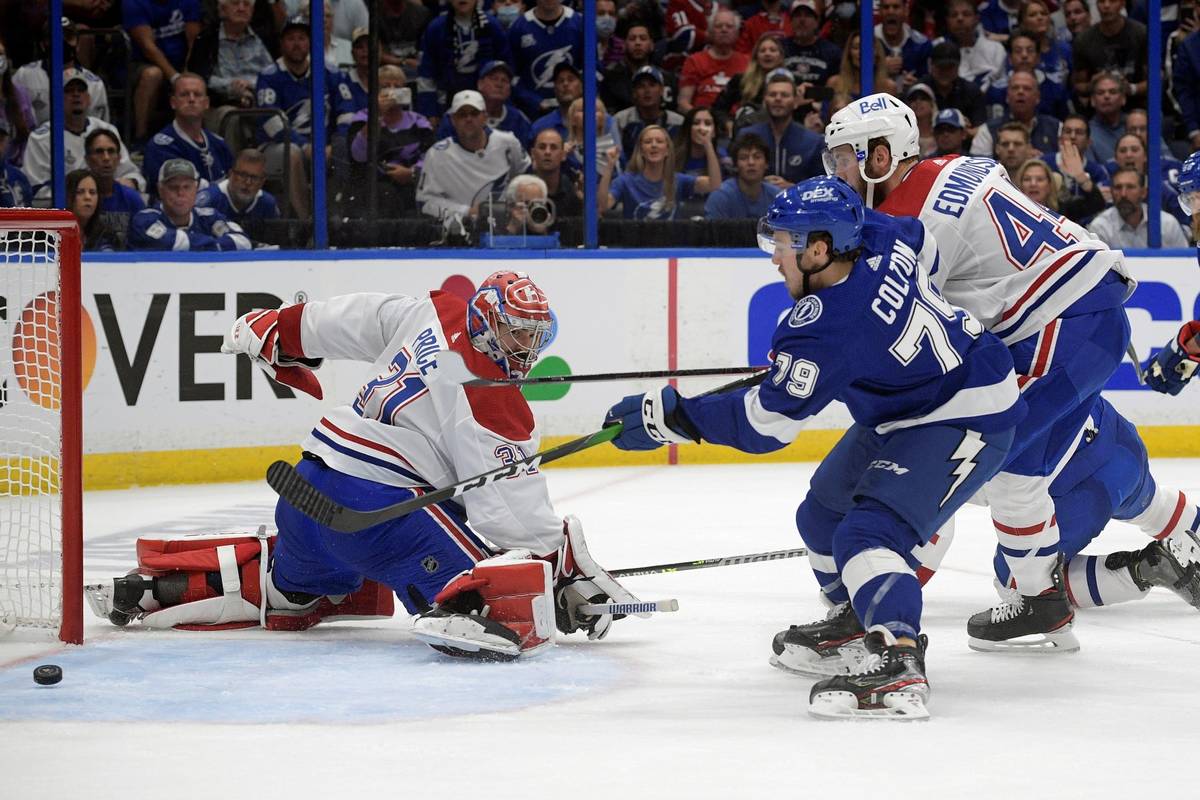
(1170, 370)
(651, 420)
(579, 580)
(257, 335)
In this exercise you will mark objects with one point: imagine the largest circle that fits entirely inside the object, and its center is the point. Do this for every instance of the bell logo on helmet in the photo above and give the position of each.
(868, 105)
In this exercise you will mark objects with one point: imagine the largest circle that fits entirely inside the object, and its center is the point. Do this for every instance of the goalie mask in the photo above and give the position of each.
(877, 116)
(509, 320)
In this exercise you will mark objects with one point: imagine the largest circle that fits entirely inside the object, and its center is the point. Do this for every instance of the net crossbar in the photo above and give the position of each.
(38, 541)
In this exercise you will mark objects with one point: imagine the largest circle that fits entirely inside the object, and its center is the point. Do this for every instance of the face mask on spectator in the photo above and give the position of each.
(605, 26)
(509, 14)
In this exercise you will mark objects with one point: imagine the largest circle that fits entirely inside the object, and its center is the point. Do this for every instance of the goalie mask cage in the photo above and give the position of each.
(41, 428)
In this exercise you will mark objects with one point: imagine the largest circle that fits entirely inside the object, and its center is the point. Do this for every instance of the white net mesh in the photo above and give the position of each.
(30, 430)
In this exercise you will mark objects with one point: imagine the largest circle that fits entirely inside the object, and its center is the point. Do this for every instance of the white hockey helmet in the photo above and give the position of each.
(876, 116)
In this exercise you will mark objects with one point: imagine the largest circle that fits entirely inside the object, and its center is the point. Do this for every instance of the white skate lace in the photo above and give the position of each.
(1011, 604)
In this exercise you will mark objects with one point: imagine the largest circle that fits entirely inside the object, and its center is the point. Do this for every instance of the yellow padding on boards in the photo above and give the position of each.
(122, 470)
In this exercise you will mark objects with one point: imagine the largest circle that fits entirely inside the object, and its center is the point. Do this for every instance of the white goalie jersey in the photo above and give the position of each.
(1014, 264)
(407, 427)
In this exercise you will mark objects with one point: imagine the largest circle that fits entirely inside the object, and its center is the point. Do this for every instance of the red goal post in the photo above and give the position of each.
(41, 423)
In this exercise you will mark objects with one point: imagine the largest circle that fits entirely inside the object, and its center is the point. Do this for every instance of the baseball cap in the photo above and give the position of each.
(649, 71)
(359, 33)
(491, 66)
(781, 73)
(809, 5)
(560, 66)
(296, 21)
(72, 75)
(946, 52)
(920, 88)
(467, 97)
(177, 168)
(950, 116)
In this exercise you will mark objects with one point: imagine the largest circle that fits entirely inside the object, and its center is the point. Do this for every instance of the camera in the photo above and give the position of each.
(541, 212)
(401, 96)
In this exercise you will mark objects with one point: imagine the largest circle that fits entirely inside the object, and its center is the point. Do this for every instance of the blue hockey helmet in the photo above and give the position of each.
(1189, 184)
(825, 204)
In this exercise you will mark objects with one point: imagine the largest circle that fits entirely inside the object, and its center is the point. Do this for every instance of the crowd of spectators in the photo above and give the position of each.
(192, 128)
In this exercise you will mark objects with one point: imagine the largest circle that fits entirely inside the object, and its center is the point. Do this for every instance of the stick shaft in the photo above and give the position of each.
(615, 376)
(705, 563)
(292, 487)
(1137, 365)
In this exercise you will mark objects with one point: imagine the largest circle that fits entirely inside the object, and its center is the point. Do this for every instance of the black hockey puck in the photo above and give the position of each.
(47, 674)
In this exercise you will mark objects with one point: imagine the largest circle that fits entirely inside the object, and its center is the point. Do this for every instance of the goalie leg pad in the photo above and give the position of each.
(501, 607)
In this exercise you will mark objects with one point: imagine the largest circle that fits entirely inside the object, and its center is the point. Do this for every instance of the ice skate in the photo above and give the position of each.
(894, 688)
(832, 646)
(1026, 623)
(1173, 563)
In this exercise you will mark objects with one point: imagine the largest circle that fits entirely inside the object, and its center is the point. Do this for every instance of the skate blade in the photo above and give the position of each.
(897, 706)
(465, 647)
(799, 662)
(1060, 641)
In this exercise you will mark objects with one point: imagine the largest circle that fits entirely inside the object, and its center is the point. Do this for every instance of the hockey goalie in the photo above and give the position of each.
(490, 579)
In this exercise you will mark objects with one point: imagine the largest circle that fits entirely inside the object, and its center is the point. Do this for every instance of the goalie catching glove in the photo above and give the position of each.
(270, 338)
(651, 420)
(1170, 370)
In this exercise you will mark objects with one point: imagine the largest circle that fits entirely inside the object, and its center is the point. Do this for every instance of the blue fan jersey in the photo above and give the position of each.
(884, 342)
(537, 49)
(278, 88)
(216, 197)
(212, 159)
(150, 229)
(451, 56)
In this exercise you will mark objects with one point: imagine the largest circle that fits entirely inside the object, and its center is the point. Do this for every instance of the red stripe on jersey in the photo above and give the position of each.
(1165, 532)
(382, 448)
(1038, 282)
(1023, 381)
(500, 409)
(1029, 531)
(907, 199)
(1045, 351)
(289, 331)
(451, 527)
(924, 574)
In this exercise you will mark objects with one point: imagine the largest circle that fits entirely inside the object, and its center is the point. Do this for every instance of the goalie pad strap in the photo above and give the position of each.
(228, 610)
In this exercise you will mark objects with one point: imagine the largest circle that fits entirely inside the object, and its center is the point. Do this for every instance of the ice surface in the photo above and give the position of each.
(679, 705)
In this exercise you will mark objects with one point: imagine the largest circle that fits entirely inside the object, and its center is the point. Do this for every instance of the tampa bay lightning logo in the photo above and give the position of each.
(807, 310)
(542, 69)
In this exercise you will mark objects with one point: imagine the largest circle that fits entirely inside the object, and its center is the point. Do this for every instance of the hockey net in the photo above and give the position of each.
(41, 575)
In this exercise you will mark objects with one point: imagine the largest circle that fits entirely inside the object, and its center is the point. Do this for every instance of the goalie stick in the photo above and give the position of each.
(705, 563)
(644, 607)
(292, 487)
(451, 367)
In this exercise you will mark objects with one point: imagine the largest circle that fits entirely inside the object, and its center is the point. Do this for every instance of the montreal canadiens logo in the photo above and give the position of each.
(806, 311)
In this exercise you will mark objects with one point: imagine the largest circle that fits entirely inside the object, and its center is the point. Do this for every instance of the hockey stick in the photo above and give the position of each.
(1137, 365)
(645, 607)
(456, 370)
(292, 487)
(705, 563)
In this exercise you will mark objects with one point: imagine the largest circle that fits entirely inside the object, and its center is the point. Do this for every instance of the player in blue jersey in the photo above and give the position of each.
(934, 399)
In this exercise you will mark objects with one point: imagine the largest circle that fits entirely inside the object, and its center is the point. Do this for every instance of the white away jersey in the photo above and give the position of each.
(1014, 264)
(406, 427)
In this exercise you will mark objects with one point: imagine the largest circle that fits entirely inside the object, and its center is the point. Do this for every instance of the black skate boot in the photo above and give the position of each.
(832, 646)
(894, 688)
(1173, 563)
(1027, 623)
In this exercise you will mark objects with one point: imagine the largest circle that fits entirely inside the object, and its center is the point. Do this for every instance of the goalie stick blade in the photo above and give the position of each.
(288, 484)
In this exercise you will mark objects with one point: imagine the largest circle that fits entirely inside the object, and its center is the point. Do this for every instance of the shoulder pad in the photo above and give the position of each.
(163, 139)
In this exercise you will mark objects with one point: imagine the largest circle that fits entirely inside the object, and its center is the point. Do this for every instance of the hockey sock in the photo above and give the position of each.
(1026, 529)
(883, 588)
(816, 524)
(1168, 512)
(1091, 583)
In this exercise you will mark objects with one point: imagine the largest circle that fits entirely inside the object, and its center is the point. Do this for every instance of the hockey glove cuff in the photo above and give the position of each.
(1170, 370)
(651, 420)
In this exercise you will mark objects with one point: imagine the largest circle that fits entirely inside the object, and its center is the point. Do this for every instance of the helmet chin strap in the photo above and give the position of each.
(806, 275)
(862, 171)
